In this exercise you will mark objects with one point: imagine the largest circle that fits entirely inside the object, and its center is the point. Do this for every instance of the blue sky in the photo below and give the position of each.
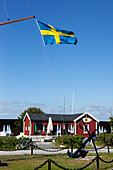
(32, 75)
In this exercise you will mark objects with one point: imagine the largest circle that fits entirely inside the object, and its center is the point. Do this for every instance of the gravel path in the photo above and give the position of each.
(28, 152)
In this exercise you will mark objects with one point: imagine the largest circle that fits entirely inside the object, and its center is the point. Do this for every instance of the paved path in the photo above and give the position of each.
(28, 152)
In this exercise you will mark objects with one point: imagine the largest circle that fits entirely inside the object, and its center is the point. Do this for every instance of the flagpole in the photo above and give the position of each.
(17, 20)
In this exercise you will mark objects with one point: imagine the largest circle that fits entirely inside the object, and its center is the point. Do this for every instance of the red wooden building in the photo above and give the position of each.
(7, 127)
(62, 123)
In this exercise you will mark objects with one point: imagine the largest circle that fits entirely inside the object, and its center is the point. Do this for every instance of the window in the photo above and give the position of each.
(45, 128)
(87, 126)
(69, 128)
(105, 130)
(58, 129)
(72, 129)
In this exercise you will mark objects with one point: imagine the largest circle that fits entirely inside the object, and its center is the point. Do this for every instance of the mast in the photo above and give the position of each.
(17, 20)
(63, 126)
(73, 102)
(64, 104)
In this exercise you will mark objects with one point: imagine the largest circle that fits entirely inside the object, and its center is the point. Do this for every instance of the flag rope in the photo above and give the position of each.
(40, 31)
(29, 7)
(6, 10)
(47, 60)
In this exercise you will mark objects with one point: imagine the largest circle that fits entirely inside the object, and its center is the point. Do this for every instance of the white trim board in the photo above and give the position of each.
(86, 113)
(26, 115)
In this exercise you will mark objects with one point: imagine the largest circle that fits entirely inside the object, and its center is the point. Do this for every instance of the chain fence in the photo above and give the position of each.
(61, 167)
(55, 150)
(105, 161)
(40, 166)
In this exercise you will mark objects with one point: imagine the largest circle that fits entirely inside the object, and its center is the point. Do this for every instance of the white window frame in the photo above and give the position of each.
(45, 128)
(87, 128)
(58, 128)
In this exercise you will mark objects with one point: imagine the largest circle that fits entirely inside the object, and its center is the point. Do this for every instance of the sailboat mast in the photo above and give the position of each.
(9, 22)
(73, 102)
(64, 104)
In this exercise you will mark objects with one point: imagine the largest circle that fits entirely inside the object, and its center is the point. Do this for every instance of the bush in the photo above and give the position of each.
(76, 140)
(9, 143)
(105, 139)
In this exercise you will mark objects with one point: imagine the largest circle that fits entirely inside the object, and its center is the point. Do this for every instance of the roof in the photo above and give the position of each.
(104, 123)
(8, 119)
(55, 117)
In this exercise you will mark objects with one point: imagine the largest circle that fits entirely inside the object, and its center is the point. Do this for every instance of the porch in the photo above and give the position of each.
(40, 129)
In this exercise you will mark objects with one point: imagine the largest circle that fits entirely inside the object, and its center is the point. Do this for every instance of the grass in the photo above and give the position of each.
(29, 162)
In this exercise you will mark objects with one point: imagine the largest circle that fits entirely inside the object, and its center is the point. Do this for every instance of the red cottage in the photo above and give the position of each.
(62, 123)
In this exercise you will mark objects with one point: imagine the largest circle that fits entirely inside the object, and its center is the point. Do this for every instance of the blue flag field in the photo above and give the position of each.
(52, 35)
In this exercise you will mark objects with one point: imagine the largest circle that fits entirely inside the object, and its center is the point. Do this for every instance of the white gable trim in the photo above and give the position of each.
(26, 115)
(86, 113)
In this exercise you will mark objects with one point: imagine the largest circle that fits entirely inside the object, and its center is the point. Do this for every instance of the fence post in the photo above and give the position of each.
(71, 149)
(97, 161)
(31, 149)
(49, 164)
(108, 149)
(31, 146)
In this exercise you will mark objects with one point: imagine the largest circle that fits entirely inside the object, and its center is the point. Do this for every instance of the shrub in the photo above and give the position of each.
(76, 140)
(9, 143)
(105, 139)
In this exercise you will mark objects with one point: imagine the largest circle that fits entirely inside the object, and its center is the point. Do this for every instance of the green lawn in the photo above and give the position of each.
(29, 162)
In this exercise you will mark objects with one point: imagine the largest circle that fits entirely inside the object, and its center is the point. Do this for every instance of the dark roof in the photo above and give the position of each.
(8, 119)
(104, 123)
(55, 117)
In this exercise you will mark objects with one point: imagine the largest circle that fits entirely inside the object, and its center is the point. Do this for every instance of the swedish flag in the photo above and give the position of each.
(52, 35)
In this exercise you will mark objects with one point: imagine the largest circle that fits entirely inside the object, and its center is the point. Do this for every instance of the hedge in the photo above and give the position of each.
(76, 140)
(105, 139)
(9, 143)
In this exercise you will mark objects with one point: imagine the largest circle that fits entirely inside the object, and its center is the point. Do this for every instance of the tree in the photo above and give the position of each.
(19, 122)
(111, 122)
